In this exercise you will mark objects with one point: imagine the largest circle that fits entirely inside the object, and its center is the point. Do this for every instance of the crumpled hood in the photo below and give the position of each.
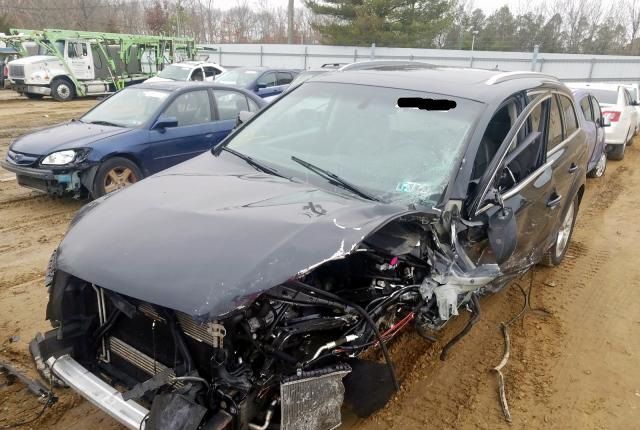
(210, 234)
(73, 134)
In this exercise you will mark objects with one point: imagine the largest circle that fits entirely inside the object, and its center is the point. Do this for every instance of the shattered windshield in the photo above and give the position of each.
(358, 132)
(130, 107)
(175, 72)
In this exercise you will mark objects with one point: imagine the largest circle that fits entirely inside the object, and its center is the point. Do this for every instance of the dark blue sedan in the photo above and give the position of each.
(263, 81)
(135, 133)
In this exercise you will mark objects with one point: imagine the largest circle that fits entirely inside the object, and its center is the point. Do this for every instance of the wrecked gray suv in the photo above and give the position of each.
(239, 290)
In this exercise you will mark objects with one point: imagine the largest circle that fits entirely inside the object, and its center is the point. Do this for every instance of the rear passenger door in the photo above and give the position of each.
(568, 157)
(194, 134)
(589, 124)
(597, 119)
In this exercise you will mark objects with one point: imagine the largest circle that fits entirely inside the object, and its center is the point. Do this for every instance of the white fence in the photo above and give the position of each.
(570, 67)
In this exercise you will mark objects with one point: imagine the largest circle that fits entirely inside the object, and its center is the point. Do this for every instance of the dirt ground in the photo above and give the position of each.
(575, 366)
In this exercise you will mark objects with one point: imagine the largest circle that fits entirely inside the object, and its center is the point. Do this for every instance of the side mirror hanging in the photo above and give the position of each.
(503, 230)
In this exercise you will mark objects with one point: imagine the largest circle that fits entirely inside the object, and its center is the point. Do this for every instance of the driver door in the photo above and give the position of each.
(525, 183)
(79, 58)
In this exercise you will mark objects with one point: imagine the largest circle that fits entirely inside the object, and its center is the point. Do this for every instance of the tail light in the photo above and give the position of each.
(612, 115)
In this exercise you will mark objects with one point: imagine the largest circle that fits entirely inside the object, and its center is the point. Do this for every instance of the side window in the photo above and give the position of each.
(597, 112)
(569, 114)
(209, 71)
(627, 99)
(526, 153)
(496, 131)
(267, 80)
(284, 78)
(72, 50)
(230, 103)
(197, 75)
(555, 125)
(586, 109)
(190, 108)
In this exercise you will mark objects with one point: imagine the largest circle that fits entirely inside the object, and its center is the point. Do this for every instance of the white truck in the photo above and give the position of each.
(71, 64)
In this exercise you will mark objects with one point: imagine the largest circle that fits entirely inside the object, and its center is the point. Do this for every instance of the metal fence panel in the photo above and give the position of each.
(572, 67)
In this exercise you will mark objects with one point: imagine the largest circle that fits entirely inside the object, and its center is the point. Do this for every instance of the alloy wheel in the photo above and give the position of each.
(565, 231)
(117, 178)
(601, 165)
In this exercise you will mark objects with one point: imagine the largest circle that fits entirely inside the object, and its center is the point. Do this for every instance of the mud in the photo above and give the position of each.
(573, 366)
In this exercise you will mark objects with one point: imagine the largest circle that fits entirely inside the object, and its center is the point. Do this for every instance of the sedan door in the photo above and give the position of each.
(525, 183)
(194, 133)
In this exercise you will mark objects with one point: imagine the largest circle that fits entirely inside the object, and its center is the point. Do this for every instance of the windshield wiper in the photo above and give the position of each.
(254, 163)
(335, 179)
(106, 123)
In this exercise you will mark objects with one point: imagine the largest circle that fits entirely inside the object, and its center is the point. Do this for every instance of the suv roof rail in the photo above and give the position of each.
(507, 76)
(364, 65)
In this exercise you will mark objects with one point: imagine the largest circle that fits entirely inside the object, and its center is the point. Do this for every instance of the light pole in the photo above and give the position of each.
(473, 39)
(290, 23)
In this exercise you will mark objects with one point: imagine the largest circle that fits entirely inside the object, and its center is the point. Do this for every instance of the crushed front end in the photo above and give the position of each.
(286, 357)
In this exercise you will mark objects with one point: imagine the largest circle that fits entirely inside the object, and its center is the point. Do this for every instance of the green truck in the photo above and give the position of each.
(65, 64)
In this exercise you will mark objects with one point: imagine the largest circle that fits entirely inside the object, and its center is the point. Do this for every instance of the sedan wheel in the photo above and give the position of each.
(114, 174)
(555, 255)
(118, 178)
(600, 167)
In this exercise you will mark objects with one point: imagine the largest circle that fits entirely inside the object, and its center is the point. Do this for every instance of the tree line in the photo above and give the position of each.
(563, 26)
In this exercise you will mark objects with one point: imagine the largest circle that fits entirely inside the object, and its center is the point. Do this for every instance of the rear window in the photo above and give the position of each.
(605, 96)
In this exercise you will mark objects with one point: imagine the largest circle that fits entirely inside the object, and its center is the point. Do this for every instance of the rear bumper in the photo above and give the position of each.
(99, 393)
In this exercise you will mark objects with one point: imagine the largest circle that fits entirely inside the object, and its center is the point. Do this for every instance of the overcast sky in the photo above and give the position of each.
(487, 5)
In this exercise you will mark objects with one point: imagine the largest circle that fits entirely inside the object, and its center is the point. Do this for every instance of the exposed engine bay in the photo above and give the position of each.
(289, 357)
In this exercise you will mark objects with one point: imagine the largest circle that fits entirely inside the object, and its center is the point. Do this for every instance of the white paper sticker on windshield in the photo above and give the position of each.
(156, 94)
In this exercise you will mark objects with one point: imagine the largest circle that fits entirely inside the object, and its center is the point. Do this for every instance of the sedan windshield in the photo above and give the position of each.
(359, 134)
(237, 77)
(130, 107)
(175, 72)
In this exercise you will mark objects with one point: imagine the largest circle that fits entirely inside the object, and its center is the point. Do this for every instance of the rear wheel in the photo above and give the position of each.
(617, 152)
(599, 169)
(556, 253)
(114, 174)
(62, 90)
(34, 96)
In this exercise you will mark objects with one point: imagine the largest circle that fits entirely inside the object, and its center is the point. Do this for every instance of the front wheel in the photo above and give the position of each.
(62, 90)
(555, 255)
(599, 169)
(114, 174)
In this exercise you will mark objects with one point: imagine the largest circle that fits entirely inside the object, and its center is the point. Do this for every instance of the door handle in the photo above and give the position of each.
(554, 201)
(573, 167)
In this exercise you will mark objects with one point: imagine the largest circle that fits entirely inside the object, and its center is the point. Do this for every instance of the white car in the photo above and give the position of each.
(620, 109)
(188, 71)
(634, 92)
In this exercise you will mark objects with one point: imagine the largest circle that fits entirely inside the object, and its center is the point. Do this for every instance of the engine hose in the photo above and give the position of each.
(104, 328)
(178, 340)
(364, 315)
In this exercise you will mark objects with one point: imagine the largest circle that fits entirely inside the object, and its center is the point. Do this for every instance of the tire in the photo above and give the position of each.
(62, 90)
(631, 136)
(617, 153)
(34, 96)
(554, 255)
(600, 167)
(114, 174)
